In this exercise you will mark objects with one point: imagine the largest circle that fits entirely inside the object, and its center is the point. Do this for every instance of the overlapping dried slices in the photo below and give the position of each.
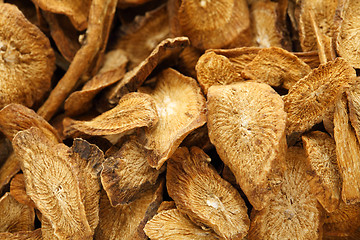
(177, 118)
(26, 58)
(353, 96)
(207, 199)
(18, 190)
(246, 124)
(311, 97)
(22, 235)
(8, 169)
(294, 213)
(322, 169)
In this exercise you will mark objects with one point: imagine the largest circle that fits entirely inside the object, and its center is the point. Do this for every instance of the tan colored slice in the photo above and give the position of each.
(200, 192)
(294, 213)
(8, 169)
(353, 96)
(187, 61)
(311, 97)
(166, 205)
(199, 138)
(172, 224)
(134, 110)
(348, 153)
(22, 235)
(181, 108)
(311, 58)
(246, 124)
(18, 190)
(322, 169)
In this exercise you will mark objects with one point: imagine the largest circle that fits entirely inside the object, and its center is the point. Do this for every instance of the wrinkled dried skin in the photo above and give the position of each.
(8, 170)
(177, 118)
(22, 235)
(215, 24)
(322, 169)
(200, 192)
(134, 110)
(26, 59)
(18, 191)
(111, 72)
(276, 67)
(15, 216)
(54, 186)
(172, 224)
(311, 97)
(246, 124)
(348, 153)
(127, 173)
(294, 212)
(213, 69)
(353, 96)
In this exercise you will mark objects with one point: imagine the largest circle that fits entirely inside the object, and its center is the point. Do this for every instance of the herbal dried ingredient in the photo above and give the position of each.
(22, 235)
(9, 169)
(18, 191)
(353, 96)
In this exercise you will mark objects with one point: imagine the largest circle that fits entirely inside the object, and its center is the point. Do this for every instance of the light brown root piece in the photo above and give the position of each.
(22, 235)
(18, 191)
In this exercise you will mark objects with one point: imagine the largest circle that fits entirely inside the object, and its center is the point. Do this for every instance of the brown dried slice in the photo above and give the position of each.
(8, 170)
(199, 138)
(166, 205)
(172, 224)
(200, 192)
(127, 173)
(246, 124)
(22, 235)
(15, 216)
(322, 169)
(111, 72)
(311, 97)
(181, 108)
(18, 190)
(27, 59)
(294, 213)
(54, 186)
(133, 111)
(353, 96)
(215, 24)
(213, 69)
(348, 153)
(310, 58)
(276, 67)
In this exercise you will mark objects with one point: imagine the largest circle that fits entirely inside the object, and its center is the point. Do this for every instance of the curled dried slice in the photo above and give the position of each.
(26, 58)
(133, 111)
(213, 69)
(322, 169)
(311, 97)
(310, 58)
(18, 191)
(246, 124)
(294, 213)
(22, 235)
(166, 205)
(276, 67)
(8, 170)
(172, 224)
(51, 182)
(15, 216)
(181, 108)
(200, 192)
(353, 96)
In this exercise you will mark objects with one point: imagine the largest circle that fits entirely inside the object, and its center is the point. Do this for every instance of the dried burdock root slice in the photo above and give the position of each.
(276, 67)
(294, 213)
(111, 72)
(27, 59)
(246, 124)
(126, 174)
(353, 96)
(213, 69)
(15, 216)
(215, 24)
(312, 96)
(322, 169)
(181, 107)
(133, 111)
(18, 191)
(172, 224)
(200, 192)
(52, 183)
(126, 222)
(348, 153)
(22, 235)
(8, 169)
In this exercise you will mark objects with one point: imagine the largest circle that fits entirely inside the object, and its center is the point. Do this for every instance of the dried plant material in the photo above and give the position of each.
(177, 118)
(353, 96)
(187, 61)
(310, 58)
(134, 110)
(111, 72)
(54, 186)
(227, 23)
(126, 174)
(322, 169)
(132, 80)
(166, 205)
(47, 230)
(15, 118)
(131, 3)
(22, 235)
(18, 191)
(328, 121)
(246, 124)
(172, 224)
(199, 138)
(200, 192)
(348, 153)
(213, 69)
(312, 96)
(15, 216)
(8, 170)
(27, 59)
(276, 67)
(294, 213)
(5, 148)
